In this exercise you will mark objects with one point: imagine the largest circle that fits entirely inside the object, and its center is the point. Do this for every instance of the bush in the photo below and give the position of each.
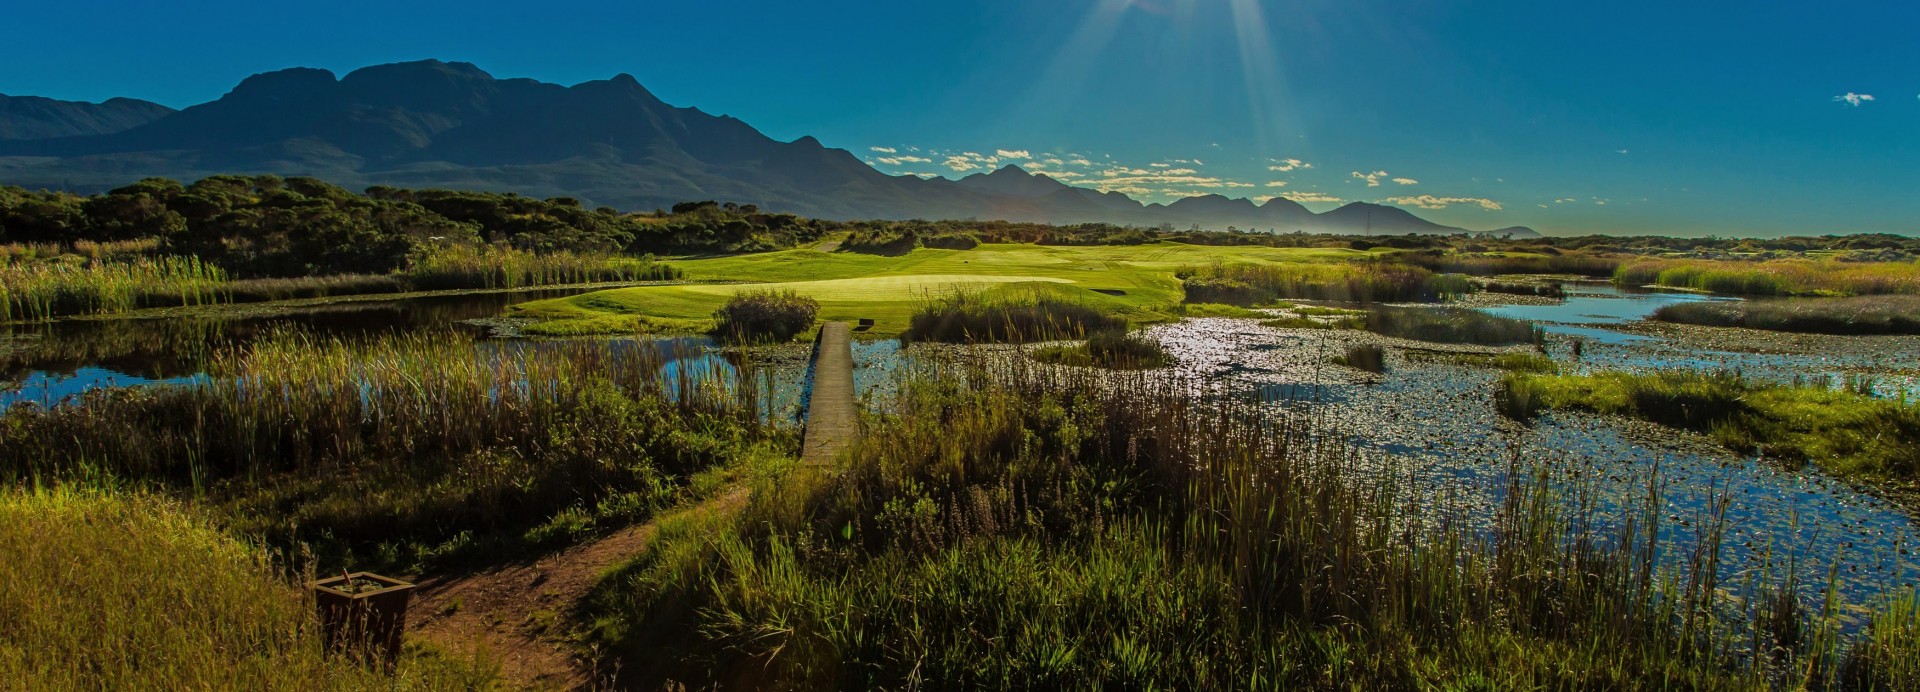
(978, 318)
(1450, 326)
(1114, 348)
(958, 241)
(1368, 357)
(765, 316)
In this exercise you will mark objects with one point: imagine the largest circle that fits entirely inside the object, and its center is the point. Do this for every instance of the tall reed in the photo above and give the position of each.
(42, 290)
(1063, 528)
(1796, 277)
(491, 266)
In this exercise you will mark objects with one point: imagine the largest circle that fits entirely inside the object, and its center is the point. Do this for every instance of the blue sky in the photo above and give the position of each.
(1632, 116)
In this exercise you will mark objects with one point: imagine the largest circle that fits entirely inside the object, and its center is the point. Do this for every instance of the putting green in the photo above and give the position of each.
(1135, 281)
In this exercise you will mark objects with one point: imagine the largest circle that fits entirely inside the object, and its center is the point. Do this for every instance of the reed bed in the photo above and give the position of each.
(128, 591)
(1790, 277)
(1859, 315)
(33, 290)
(404, 450)
(491, 266)
(1362, 282)
(1013, 526)
(1115, 348)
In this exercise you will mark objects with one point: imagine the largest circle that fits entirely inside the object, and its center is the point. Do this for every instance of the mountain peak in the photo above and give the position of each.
(1013, 181)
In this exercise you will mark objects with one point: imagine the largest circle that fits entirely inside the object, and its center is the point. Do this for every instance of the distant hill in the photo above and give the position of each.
(1513, 231)
(607, 142)
(35, 117)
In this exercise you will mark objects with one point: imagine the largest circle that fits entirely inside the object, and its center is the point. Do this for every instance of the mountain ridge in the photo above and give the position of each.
(451, 124)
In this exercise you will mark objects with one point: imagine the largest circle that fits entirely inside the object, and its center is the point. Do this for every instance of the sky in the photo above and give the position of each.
(1629, 116)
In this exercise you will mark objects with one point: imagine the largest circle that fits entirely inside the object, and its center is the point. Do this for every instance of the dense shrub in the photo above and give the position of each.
(1112, 348)
(765, 315)
(1450, 326)
(981, 318)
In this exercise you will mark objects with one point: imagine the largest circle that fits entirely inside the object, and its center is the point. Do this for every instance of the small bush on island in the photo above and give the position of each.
(962, 317)
(771, 315)
(1368, 357)
(1450, 326)
(1847, 316)
(1844, 431)
(1114, 348)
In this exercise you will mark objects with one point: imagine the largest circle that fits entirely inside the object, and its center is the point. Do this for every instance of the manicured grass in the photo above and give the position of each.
(1135, 282)
(1859, 315)
(128, 591)
(1845, 433)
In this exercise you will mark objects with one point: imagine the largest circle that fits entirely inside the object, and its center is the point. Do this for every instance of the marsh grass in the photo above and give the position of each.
(1117, 349)
(1847, 433)
(129, 591)
(1012, 526)
(1450, 326)
(1885, 314)
(1003, 317)
(1512, 362)
(1792, 277)
(1496, 264)
(34, 290)
(407, 450)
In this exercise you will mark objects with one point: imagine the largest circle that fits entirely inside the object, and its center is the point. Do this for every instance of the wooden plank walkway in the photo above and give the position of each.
(832, 417)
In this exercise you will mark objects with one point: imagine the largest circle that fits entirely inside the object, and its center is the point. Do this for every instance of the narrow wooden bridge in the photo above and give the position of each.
(832, 415)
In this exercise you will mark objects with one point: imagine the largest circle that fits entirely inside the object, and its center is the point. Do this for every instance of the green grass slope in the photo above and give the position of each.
(1133, 281)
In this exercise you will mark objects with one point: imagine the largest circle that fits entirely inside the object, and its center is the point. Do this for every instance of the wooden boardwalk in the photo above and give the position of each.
(833, 420)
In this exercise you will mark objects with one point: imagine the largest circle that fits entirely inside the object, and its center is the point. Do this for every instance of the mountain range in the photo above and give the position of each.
(607, 142)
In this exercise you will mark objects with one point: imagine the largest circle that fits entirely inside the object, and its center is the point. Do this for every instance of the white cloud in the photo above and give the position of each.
(1013, 153)
(1309, 196)
(884, 150)
(1406, 181)
(906, 158)
(1565, 200)
(1432, 202)
(959, 163)
(1373, 179)
(1066, 174)
(1287, 165)
(1276, 183)
(1159, 165)
(1853, 99)
(1180, 171)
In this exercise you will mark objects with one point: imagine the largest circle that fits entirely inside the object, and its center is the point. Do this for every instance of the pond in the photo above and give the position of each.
(1590, 304)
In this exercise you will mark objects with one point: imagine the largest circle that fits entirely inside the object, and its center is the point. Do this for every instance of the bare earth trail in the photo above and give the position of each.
(512, 612)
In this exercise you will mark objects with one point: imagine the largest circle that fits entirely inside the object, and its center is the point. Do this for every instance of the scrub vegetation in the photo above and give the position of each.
(403, 452)
(1019, 526)
(1791, 277)
(131, 591)
(1450, 326)
(1847, 433)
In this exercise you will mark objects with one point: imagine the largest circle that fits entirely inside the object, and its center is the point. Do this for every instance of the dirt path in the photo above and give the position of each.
(513, 612)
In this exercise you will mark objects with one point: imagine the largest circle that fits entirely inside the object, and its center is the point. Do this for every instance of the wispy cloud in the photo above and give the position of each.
(1853, 99)
(1309, 196)
(1287, 165)
(959, 163)
(1406, 181)
(906, 158)
(1373, 179)
(884, 150)
(1013, 154)
(1276, 183)
(1432, 202)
